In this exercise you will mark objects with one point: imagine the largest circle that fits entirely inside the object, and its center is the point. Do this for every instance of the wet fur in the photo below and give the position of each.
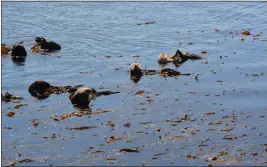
(136, 70)
(18, 51)
(49, 46)
(42, 89)
(83, 96)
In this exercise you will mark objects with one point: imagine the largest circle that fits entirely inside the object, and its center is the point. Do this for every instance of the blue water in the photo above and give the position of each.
(90, 31)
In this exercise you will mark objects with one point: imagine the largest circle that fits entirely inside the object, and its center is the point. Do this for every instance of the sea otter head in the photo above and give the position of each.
(40, 40)
(18, 50)
(39, 89)
(163, 58)
(136, 70)
(135, 66)
(82, 96)
(37, 39)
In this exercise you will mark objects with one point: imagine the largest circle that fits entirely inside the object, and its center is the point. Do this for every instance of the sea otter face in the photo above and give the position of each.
(83, 96)
(38, 87)
(40, 39)
(135, 66)
(163, 58)
(37, 39)
(136, 69)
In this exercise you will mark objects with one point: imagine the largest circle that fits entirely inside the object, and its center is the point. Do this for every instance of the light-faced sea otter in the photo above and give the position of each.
(4, 49)
(178, 58)
(81, 97)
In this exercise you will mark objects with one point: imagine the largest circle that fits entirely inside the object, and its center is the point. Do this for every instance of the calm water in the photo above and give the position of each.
(90, 31)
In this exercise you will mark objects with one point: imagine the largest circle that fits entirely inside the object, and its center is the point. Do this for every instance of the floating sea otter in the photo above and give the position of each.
(46, 46)
(42, 89)
(4, 49)
(9, 97)
(136, 72)
(81, 97)
(178, 58)
(18, 50)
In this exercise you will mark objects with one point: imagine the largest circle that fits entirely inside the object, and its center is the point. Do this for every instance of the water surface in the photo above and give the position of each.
(90, 31)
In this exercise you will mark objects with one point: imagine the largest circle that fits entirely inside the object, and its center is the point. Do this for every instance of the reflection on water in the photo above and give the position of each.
(83, 108)
(135, 79)
(20, 61)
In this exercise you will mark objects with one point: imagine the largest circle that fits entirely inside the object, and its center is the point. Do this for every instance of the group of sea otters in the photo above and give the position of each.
(19, 51)
(81, 97)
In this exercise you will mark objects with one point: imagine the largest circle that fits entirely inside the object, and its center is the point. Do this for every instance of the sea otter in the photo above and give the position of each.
(9, 97)
(46, 45)
(42, 89)
(4, 49)
(164, 58)
(82, 97)
(178, 58)
(18, 50)
(136, 72)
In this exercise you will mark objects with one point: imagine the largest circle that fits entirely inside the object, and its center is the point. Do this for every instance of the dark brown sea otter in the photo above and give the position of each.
(79, 97)
(42, 89)
(18, 50)
(46, 46)
(136, 72)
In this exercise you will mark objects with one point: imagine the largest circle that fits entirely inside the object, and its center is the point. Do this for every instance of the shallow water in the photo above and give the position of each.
(90, 31)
